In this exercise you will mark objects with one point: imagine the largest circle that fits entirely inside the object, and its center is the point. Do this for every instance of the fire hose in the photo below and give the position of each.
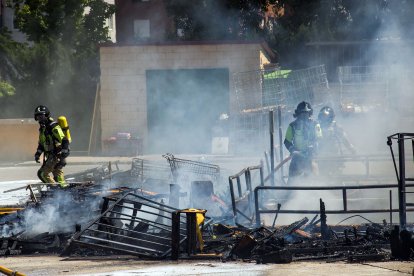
(278, 166)
(10, 272)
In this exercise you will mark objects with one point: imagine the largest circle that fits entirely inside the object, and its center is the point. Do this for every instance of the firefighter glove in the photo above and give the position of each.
(64, 153)
(37, 157)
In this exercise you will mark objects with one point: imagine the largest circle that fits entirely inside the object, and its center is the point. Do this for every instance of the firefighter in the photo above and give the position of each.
(334, 137)
(301, 140)
(54, 145)
(334, 143)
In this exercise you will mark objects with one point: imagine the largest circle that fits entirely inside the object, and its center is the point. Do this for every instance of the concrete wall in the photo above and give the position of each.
(123, 76)
(19, 139)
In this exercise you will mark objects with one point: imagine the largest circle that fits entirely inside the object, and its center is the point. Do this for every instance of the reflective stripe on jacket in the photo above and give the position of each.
(302, 134)
(50, 136)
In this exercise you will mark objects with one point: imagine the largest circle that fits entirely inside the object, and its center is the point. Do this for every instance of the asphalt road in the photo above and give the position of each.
(123, 265)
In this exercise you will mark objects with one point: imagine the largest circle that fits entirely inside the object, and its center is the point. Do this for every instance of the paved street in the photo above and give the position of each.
(121, 265)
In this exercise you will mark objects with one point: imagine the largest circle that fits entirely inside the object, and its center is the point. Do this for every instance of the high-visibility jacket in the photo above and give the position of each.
(51, 138)
(303, 135)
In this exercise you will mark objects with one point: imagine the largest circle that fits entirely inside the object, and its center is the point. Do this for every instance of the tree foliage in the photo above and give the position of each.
(6, 89)
(61, 58)
(338, 20)
(12, 55)
(65, 33)
(60, 63)
(294, 22)
(217, 19)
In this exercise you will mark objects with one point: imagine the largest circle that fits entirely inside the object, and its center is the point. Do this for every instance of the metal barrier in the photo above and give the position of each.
(344, 190)
(365, 159)
(147, 169)
(365, 85)
(247, 193)
(267, 87)
(134, 225)
(367, 175)
(181, 167)
(102, 172)
(401, 173)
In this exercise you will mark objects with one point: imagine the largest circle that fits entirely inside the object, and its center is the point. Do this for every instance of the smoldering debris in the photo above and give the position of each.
(109, 212)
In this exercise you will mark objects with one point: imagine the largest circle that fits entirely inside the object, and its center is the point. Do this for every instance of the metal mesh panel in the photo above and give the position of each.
(182, 168)
(259, 91)
(364, 85)
(250, 131)
(147, 169)
(272, 87)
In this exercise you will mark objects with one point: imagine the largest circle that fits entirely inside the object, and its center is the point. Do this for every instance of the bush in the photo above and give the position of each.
(6, 89)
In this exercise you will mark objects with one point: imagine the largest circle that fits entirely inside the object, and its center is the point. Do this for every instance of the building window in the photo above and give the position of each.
(180, 32)
(141, 29)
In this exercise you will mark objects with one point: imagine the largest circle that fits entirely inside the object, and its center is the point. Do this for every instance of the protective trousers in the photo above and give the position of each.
(301, 165)
(52, 165)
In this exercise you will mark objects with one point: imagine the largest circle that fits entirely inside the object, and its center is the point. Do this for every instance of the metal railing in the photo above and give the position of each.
(344, 190)
(367, 160)
(401, 173)
(247, 193)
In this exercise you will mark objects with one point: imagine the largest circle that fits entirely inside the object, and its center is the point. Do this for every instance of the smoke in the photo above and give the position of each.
(374, 84)
(57, 214)
(309, 200)
(183, 107)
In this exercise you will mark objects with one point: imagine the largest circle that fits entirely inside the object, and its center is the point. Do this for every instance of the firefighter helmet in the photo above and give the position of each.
(326, 115)
(303, 107)
(41, 110)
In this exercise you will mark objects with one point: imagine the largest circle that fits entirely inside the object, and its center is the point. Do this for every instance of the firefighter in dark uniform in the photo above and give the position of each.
(334, 139)
(54, 145)
(334, 142)
(301, 140)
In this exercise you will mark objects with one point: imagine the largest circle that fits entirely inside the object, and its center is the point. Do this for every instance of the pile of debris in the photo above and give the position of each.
(107, 211)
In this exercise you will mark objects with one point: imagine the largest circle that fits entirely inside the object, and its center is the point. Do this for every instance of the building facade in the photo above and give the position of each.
(168, 93)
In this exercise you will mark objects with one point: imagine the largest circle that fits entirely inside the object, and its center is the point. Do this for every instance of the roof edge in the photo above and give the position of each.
(174, 43)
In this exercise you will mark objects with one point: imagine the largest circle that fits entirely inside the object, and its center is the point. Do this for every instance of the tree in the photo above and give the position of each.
(61, 65)
(337, 20)
(295, 22)
(217, 19)
(66, 33)
(11, 53)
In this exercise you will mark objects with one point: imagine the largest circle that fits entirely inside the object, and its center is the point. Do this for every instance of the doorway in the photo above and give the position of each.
(183, 106)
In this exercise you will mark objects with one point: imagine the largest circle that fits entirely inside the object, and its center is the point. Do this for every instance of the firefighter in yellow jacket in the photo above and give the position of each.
(301, 140)
(54, 145)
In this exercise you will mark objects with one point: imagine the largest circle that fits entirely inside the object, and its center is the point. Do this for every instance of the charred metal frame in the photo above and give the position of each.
(143, 169)
(272, 147)
(179, 165)
(134, 238)
(104, 171)
(191, 226)
(401, 173)
(320, 188)
(248, 192)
